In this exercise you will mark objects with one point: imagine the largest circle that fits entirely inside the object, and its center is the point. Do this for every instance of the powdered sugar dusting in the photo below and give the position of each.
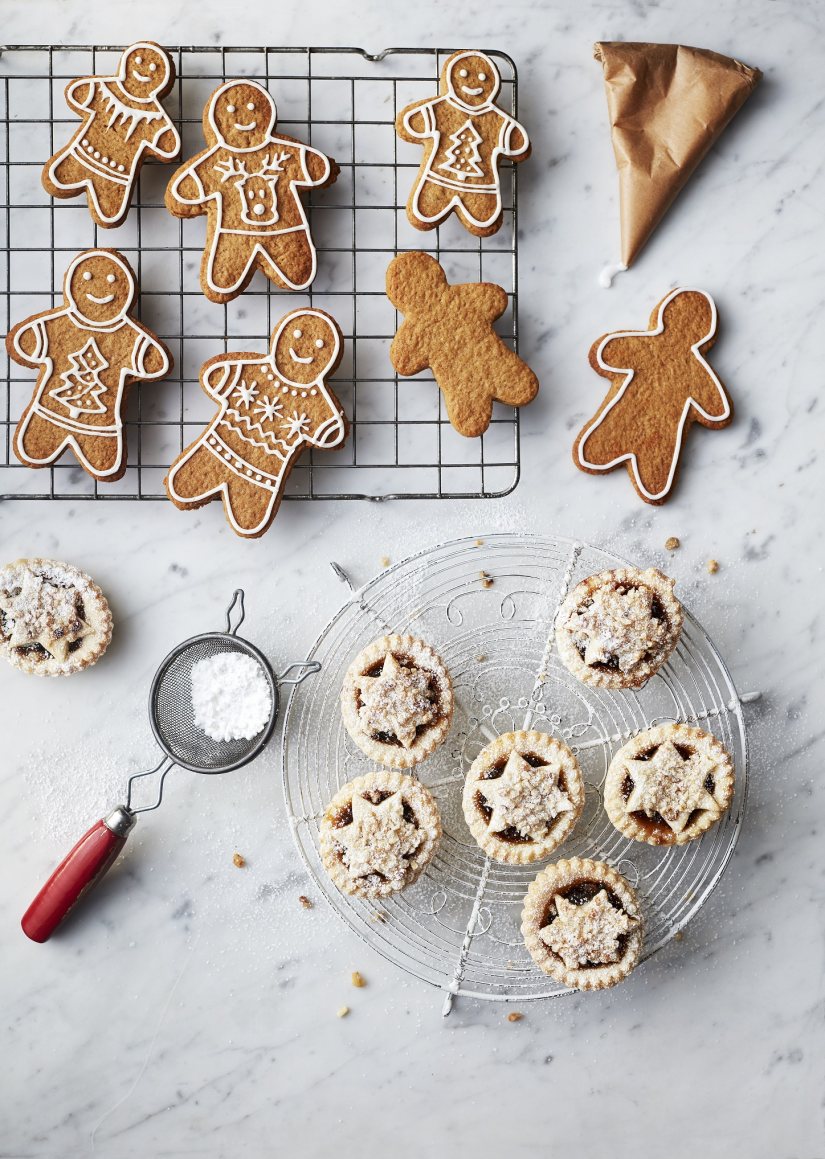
(231, 697)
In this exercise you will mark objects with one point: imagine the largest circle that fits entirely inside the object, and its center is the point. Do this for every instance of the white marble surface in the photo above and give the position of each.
(191, 1010)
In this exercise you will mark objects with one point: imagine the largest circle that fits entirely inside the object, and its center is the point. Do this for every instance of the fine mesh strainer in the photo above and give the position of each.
(171, 715)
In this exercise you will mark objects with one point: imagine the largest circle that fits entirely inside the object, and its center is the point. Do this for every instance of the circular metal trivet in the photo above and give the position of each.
(458, 926)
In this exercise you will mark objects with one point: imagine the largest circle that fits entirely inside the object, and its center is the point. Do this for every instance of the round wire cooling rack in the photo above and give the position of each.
(488, 607)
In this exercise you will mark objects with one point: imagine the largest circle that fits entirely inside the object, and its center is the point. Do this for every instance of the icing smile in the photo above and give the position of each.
(101, 301)
(139, 76)
(246, 128)
(472, 92)
(297, 358)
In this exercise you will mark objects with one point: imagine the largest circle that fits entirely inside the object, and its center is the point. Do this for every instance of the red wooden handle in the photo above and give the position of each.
(77, 872)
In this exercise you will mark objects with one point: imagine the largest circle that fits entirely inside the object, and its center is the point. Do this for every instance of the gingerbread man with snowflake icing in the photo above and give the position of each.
(249, 183)
(271, 409)
(464, 133)
(124, 124)
(86, 352)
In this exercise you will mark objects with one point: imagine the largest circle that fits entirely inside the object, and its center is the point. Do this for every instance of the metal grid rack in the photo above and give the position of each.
(458, 926)
(344, 102)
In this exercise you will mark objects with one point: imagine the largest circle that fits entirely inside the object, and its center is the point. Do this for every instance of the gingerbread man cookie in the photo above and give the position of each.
(464, 135)
(124, 124)
(87, 353)
(249, 183)
(660, 385)
(272, 407)
(450, 330)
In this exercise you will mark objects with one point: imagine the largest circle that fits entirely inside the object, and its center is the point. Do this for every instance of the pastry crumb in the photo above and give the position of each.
(479, 543)
(358, 979)
(304, 901)
(672, 543)
(343, 1012)
(378, 916)
(679, 936)
(385, 561)
(713, 566)
(486, 579)
(480, 658)
(514, 1016)
(238, 860)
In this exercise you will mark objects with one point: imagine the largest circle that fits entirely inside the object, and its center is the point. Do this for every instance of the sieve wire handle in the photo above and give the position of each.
(235, 613)
(80, 869)
(304, 669)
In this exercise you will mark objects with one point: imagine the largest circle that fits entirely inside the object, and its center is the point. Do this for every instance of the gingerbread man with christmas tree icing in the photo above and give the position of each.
(272, 407)
(124, 124)
(87, 352)
(249, 183)
(465, 134)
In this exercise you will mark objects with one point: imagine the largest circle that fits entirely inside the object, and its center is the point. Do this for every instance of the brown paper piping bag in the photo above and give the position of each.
(668, 103)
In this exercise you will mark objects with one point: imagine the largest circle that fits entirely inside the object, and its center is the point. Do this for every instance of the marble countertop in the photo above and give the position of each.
(192, 1009)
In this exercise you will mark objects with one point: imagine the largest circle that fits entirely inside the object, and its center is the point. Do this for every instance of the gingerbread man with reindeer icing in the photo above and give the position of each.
(272, 407)
(249, 182)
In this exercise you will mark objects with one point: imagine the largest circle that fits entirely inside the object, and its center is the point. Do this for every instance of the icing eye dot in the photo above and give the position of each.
(462, 72)
(87, 277)
(230, 108)
(297, 333)
(138, 60)
(250, 194)
(250, 106)
(319, 342)
(153, 67)
(482, 76)
(110, 278)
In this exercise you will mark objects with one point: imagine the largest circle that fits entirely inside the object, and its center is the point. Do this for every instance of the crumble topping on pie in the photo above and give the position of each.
(668, 785)
(397, 701)
(616, 628)
(53, 619)
(522, 796)
(378, 839)
(587, 933)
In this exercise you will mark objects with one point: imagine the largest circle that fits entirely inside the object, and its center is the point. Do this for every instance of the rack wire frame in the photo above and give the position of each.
(458, 926)
(343, 101)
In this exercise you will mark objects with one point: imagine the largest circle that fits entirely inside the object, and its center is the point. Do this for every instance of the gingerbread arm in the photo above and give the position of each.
(79, 94)
(26, 342)
(485, 299)
(167, 145)
(218, 377)
(151, 358)
(515, 142)
(415, 122)
(316, 166)
(409, 353)
(186, 190)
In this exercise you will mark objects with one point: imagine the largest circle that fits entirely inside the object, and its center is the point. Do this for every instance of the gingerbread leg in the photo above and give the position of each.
(38, 442)
(102, 456)
(288, 259)
(109, 199)
(249, 507)
(430, 204)
(227, 264)
(195, 477)
(66, 172)
(479, 210)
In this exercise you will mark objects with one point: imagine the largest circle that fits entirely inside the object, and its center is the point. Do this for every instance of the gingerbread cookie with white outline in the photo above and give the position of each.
(272, 407)
(124, 124)
(661, 384)
(465, 134)
(249, 182)
(87, 353)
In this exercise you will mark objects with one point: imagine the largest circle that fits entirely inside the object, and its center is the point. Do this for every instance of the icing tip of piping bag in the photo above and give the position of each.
(609, 273)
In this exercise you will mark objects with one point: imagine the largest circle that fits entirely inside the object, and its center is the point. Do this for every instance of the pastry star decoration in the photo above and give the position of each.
(587, 933)
(378, 839)
(397, 702)
(525, 798)
(617, 624)
(671, 786)
(43, 614)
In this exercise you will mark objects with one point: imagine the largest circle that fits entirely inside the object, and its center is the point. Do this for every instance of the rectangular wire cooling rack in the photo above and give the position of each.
(344, 102)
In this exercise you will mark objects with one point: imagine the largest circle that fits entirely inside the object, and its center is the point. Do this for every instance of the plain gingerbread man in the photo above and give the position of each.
(450, 330)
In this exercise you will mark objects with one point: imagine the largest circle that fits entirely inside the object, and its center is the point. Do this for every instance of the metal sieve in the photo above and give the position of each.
(184, 744)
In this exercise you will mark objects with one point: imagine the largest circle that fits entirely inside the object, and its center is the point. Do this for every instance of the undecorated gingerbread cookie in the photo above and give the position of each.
(123, 125)
(249, 183)
(272, 407)
(661, 384)
(449, 330)
(87, 353)
(464, 134)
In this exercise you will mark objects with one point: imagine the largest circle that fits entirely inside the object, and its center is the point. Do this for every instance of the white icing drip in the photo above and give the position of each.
(122, 114)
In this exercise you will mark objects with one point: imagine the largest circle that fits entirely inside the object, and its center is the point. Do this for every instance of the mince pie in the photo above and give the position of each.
(582, 924)
(54, 620)
(668, 785)
(397, 701)
(522, 796)
(617, 628)
(379, 833)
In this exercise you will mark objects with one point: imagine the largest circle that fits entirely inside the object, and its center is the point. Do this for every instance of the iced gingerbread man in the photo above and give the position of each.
(249, 183)
(464, 133)
(124, 124)
(271, 409)
(661, 384)
(86, 353)
(450, 330)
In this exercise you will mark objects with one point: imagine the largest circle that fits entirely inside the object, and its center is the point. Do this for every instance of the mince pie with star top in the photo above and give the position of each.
(582, 924)
(54, 620)
(379, 833)
(668, 785)
(616, 628)
(397, 701)
(522, 797)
